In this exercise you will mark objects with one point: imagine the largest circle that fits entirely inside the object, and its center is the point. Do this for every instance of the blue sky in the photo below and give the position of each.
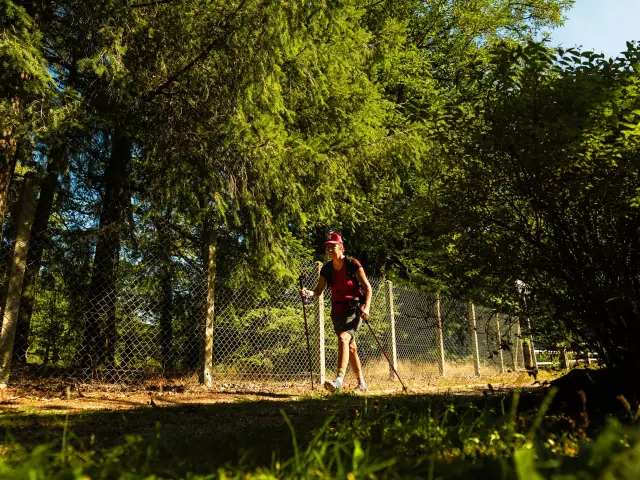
(602, 26)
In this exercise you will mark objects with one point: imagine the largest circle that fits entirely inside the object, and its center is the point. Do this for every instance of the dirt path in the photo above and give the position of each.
(61, 398)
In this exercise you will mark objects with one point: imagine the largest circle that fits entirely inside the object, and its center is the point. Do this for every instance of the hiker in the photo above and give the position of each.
(346, 279)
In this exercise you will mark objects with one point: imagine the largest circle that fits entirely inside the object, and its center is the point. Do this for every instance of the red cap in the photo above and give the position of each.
(333, 238)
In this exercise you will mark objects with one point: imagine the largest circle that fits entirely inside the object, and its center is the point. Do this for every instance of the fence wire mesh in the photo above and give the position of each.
(123, 306)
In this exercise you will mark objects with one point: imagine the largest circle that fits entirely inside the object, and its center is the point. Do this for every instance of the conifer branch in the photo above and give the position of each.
(218, 42)
(152, 4)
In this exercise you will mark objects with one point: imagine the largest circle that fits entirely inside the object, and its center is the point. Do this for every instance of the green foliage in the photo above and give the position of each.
(23, 66)
(72, 460)
(26, 87)
(542, 190)
(430, 59)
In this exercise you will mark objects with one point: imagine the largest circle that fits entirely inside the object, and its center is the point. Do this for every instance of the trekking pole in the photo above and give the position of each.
(404, 387)
(306, 331)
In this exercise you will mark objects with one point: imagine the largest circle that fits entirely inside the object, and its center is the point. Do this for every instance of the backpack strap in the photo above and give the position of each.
(327, 272)
(351, 269)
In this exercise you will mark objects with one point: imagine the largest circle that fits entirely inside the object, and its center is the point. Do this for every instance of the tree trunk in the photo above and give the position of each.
(5, 268)
(99, 338)
(209, 257)
(16, 277)
(39, 234)
(166, 292)
(8, 159)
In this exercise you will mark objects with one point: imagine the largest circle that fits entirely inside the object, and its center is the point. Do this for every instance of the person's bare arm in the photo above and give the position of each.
(364, 283)
(316, 292)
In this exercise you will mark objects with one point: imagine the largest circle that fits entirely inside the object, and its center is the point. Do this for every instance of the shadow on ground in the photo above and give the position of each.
(199, 438)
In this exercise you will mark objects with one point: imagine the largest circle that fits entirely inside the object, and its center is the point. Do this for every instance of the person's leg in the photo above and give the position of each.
(343, 351)
(343, 361)
(356, 366)
(354, 361)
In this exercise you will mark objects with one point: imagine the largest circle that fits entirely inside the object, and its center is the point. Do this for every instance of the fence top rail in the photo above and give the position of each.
(552, 352)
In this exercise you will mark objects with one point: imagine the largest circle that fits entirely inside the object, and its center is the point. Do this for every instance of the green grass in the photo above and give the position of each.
(447, 437)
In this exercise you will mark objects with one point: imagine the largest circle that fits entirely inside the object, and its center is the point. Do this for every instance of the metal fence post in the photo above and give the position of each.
(518, 346)
(440, 338)
(474, 339)
(534, 360)
(320, 320)
(28, 198)
(502, 370)
(392, 319)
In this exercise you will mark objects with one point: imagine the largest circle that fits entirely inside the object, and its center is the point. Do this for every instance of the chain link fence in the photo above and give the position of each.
(125, 306)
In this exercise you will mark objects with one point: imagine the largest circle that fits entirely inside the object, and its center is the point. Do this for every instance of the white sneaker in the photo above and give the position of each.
(361, 388)
(333, 385)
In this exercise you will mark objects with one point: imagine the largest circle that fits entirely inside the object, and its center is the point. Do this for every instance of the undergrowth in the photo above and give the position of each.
(377, 441)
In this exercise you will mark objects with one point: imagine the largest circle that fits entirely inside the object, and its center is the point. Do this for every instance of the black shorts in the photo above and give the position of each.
(347, 322)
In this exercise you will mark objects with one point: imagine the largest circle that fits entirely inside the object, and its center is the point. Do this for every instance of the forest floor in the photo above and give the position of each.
(201, 429)
(65, 397)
